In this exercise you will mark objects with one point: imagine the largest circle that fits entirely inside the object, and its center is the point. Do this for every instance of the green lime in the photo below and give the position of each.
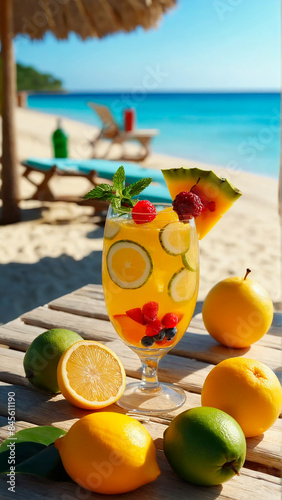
(43, 355)
(205, 446)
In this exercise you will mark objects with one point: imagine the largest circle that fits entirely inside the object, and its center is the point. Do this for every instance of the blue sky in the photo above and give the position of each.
(200, 45)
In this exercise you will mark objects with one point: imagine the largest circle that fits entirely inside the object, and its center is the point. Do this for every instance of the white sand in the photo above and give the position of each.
(57, 249)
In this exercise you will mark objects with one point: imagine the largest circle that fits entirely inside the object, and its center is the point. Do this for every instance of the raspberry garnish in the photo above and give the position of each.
(136, 315)
(144, 211)
(150, 311)
(207, 205)
(187, 205)
(153, 328)
(170, 320)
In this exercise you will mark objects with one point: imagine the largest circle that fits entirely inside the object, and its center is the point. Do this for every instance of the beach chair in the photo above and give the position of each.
(111, 131)
(96, 171)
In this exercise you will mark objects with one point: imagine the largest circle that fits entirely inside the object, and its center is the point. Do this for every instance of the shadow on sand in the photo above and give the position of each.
(26, 286)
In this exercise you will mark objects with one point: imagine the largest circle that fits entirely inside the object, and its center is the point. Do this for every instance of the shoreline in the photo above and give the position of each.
(57, 247)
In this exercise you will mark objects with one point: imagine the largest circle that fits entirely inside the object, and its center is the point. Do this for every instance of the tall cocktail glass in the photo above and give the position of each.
(150, 279)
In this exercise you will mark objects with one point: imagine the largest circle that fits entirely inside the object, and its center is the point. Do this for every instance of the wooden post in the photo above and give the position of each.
(10, 177)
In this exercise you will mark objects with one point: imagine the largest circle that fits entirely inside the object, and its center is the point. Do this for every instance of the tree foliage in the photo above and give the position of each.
(29, 78)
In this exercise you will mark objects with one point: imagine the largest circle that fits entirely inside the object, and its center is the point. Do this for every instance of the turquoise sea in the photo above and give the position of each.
(235, 130)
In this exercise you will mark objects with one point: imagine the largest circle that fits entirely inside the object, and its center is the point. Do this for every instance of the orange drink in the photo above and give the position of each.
(155, 262)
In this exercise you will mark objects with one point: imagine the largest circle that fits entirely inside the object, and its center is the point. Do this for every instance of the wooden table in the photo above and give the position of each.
(187, 365)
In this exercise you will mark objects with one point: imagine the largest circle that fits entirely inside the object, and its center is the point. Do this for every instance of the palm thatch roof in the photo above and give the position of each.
(86, 18)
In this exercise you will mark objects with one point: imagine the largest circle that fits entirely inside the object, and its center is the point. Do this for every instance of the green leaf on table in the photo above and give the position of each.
(44, 434)
(47, 463)
(20, 453)
(118, 181)
(34, 453)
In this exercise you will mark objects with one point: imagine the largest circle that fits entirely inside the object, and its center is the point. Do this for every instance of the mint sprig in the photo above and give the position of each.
(118, 194)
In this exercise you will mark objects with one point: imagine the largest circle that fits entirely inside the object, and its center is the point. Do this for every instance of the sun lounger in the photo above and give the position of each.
(94, 171)
(110, 130)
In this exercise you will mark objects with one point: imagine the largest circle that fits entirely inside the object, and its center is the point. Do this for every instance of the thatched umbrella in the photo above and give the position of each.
(86, 18)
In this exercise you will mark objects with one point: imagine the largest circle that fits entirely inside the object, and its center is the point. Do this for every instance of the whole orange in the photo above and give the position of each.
(246, 389)
(237, 311)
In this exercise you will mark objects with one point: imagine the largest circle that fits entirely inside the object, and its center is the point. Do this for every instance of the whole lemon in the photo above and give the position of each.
(43, 355)
(246, 389)
(237, 311)
(205, 446)
(109, 453)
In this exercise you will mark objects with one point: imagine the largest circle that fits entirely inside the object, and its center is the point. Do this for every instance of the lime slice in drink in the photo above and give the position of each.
(111, 229)
(190, 258)
(182, 285)
(175, 238)
(129, 264)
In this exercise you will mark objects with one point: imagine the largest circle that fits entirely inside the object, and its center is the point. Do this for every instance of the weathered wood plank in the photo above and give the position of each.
(166, 487)
(81, 305)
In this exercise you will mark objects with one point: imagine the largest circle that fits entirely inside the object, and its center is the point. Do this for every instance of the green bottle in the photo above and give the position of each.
(60, 141)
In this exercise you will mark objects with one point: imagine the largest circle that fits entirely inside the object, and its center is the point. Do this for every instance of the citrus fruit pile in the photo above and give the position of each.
(87, 373)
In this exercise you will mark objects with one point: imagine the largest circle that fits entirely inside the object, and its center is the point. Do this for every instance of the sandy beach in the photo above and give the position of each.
(58, 246)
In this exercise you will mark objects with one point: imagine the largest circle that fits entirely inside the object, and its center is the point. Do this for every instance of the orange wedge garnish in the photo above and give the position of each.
(90, 375)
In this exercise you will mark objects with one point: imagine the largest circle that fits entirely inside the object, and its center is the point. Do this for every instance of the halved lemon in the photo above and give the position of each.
(182, 285)
(129, 264)
(90, 375)
(175, 238)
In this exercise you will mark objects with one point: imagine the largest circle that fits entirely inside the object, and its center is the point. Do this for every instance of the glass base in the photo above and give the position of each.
(162, 399)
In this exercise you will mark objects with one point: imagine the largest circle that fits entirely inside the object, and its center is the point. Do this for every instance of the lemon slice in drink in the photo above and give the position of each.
(175, 238)
(129, 264)
(182, 285)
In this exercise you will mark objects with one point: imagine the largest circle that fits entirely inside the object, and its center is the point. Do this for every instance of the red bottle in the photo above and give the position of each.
(129, 119)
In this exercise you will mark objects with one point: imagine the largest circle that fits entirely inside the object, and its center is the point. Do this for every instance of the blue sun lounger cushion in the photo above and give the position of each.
(156, 192)
(105, 168)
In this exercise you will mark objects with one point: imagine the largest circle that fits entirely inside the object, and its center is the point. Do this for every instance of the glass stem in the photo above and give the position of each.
(150, 373)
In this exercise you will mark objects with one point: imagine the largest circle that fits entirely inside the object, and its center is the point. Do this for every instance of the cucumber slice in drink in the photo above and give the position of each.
(182, 285)
(175, 238)
(129, 264)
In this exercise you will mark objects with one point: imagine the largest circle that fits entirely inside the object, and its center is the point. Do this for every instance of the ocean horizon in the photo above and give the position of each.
(235, 130)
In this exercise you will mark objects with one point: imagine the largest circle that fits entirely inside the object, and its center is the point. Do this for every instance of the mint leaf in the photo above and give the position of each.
(119, 195)
(103, 192)
(137, 187)
(116, 203)
(119, 180)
